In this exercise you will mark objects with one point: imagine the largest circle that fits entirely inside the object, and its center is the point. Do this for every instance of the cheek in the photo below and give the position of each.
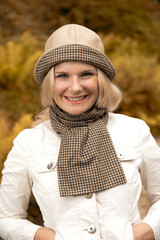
(58, 88)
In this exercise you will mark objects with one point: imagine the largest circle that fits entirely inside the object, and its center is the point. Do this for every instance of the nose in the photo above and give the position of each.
(75, 84)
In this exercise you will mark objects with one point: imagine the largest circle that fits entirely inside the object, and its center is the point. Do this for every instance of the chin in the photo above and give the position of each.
(76, 112)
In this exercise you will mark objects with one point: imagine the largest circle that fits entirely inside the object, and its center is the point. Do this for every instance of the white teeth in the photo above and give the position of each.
(76, 99)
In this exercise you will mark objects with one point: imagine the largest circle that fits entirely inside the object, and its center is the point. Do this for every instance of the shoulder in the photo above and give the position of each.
(36, 131)
(122, 120)
(37, 138)
(128, 128)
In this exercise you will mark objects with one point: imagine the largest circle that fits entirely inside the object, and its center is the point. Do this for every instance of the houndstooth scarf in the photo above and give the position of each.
(87, 160)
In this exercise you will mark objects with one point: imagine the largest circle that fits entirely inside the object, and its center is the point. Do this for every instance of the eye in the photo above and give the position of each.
(87, 74)
(63, 75)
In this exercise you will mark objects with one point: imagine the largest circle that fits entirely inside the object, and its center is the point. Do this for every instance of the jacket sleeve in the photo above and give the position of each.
(150, 173)
(15, 192)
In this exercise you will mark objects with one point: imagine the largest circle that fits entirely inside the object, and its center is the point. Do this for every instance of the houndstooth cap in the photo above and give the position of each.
(73, 42)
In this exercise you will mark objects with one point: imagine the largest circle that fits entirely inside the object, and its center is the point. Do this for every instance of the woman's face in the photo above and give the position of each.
(75, 87)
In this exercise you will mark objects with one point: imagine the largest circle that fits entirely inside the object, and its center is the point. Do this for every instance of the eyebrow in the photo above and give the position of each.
(88, 70)
(60, 72)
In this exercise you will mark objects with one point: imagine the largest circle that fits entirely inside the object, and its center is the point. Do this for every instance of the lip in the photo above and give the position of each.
(75, 99)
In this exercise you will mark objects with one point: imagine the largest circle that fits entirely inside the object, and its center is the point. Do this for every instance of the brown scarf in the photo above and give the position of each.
(87, 160)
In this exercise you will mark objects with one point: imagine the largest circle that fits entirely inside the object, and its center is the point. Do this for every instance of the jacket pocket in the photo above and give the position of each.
(130, 160)
(44, 172)
(126, 153)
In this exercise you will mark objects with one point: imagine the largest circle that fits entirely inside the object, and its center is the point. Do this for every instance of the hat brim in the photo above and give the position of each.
(73, 52)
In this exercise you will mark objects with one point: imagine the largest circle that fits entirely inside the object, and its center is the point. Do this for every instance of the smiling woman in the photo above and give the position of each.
(84, 164)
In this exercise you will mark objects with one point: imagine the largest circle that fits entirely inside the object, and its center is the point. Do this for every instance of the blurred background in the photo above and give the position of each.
(130, 31)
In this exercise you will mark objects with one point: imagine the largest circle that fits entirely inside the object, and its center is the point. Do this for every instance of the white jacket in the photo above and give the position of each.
(107, 215)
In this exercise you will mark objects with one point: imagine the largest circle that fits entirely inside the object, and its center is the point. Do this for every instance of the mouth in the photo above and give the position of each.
(76, 99)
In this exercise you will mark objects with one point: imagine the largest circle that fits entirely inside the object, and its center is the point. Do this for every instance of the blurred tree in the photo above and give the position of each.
(19, 92)
(17, 61)
(138, 77)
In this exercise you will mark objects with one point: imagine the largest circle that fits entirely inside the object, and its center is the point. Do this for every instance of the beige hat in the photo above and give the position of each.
(73, 42)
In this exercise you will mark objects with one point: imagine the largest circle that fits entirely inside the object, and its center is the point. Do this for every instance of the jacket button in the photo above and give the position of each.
(51, 165)
(91, 229)
(88, 195)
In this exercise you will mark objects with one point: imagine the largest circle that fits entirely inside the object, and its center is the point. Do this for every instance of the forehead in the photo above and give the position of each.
(70, 66)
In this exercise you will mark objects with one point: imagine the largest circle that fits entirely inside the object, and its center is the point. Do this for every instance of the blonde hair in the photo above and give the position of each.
(110, 95)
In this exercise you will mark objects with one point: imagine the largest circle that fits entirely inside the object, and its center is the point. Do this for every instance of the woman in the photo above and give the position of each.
(84, 164)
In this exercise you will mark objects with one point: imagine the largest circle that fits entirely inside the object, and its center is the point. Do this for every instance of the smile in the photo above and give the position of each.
(75, 99)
